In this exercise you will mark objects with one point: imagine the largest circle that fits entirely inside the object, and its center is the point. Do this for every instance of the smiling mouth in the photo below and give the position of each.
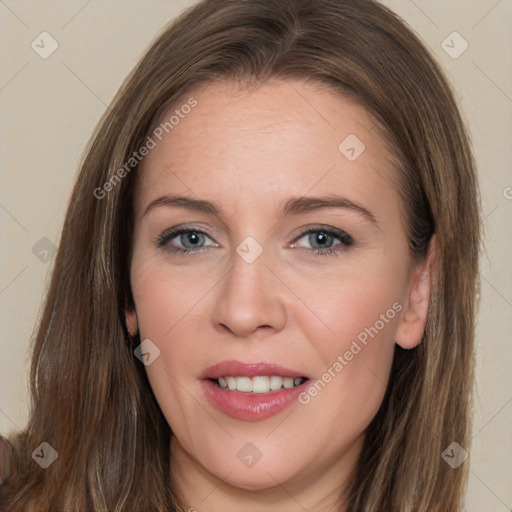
(252, 391)
(261, 384)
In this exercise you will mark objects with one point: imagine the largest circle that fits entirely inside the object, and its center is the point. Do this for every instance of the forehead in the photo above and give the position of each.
(282, 137)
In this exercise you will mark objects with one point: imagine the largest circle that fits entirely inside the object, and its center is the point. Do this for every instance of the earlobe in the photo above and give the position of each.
(412, 325)
(131, 322)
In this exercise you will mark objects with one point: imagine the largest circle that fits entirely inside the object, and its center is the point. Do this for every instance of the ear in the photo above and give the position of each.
(131, 321)
(412, 324)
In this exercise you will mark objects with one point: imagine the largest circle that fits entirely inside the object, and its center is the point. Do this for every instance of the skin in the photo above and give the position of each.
(250, 150)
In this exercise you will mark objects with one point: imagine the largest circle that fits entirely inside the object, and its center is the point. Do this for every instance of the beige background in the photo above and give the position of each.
(50, 107)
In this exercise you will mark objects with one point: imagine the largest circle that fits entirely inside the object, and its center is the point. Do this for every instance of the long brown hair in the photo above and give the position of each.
(90, 398)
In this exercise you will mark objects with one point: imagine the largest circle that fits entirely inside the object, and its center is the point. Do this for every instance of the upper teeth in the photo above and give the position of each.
(263, 384)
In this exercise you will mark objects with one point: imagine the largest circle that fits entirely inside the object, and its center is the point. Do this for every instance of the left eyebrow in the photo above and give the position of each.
(297, 205)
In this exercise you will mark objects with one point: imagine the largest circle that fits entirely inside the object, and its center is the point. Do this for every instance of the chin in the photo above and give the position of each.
(256, 479)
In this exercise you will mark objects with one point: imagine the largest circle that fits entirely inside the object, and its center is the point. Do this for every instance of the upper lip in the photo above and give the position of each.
(254, 369)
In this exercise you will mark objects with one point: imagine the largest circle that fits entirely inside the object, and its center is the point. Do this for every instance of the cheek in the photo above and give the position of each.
(360, 315)
(164, 299)
(169, 313)
(360, 302)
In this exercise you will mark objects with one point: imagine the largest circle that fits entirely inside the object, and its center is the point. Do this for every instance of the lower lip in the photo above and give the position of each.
(250, 406)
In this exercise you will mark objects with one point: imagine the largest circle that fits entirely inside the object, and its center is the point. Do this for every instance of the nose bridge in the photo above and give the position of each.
(249, 297)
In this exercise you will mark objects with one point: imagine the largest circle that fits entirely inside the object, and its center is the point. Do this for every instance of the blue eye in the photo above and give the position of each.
(321, 241)
(188, 240)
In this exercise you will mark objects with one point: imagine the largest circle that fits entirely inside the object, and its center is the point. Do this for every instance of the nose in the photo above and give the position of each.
(250, 298)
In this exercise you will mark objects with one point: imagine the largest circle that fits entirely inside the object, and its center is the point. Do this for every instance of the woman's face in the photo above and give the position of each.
(294, 265)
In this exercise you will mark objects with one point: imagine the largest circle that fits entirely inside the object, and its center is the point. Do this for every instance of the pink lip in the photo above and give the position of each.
(239, 369)
(250, 407)
(246, 406)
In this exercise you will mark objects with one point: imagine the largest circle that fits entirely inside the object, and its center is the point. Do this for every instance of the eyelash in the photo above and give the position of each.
(345, 239)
